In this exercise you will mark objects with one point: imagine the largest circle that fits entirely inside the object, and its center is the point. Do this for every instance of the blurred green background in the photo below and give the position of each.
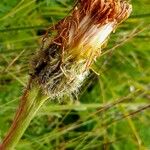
(113, 112)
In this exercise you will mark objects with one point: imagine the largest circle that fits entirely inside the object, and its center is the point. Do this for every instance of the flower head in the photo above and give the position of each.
(61, 65)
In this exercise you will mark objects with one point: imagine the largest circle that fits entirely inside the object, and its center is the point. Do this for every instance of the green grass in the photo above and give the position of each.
(113, 111)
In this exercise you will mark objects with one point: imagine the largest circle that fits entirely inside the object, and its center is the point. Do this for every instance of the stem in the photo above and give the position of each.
(31, 101)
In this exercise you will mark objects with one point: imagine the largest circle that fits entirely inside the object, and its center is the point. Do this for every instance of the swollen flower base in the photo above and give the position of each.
(62, 64)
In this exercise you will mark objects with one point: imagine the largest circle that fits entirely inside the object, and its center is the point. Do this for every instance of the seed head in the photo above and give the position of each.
(63, 62)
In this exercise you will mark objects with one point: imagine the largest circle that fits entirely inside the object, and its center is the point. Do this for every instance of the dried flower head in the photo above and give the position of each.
(62, 64)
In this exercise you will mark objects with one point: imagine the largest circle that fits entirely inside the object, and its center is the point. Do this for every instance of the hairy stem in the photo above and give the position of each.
(31, 101)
